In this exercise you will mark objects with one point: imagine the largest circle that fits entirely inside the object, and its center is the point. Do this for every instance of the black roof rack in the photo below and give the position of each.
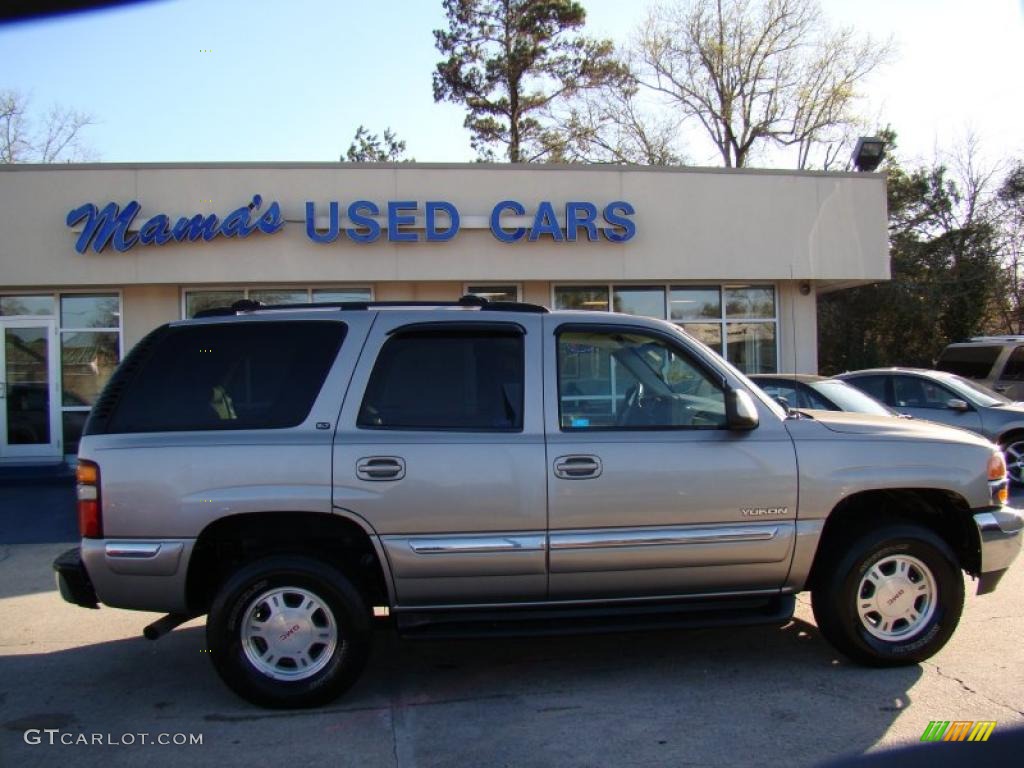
(469, 300)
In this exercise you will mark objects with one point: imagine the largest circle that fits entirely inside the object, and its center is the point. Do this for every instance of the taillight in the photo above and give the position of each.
(90, 513)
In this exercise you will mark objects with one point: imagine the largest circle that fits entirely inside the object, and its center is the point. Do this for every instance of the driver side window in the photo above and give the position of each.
(628, 380)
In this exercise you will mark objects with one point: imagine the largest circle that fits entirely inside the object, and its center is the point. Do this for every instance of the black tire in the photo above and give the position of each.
(331, 667)
(848, 587)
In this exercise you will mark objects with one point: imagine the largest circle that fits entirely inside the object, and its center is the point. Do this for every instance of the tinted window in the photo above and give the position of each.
(610, 380)
(458, 380)
(1014, 370)
(974, 362)
(260, 375)
(847, 398)
(811, 399)
(779, 389)
(912, 392)
(873, 385)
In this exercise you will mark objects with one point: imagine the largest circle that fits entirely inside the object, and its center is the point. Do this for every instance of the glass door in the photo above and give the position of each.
(29, 410)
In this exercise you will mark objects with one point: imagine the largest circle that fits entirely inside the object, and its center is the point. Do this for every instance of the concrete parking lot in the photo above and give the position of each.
(722, 697)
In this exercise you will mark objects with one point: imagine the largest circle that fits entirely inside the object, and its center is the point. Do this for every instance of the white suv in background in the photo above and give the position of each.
(995, 361)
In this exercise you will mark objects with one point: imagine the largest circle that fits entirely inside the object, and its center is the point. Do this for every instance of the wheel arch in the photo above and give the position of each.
(946, 513)
(340, 540)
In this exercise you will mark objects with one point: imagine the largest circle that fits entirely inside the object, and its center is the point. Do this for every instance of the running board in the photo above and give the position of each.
(583, 620)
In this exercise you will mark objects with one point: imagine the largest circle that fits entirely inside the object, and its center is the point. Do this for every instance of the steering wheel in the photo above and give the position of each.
(634, 402)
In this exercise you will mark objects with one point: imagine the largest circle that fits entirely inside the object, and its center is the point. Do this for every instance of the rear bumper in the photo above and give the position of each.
(73, 580)
(1000, 533)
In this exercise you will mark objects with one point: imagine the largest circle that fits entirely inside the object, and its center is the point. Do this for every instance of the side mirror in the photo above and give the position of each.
(740, 411)
(956, 404)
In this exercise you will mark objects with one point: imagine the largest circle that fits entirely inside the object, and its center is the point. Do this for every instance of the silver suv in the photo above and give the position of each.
(994, 361)
(301, 475)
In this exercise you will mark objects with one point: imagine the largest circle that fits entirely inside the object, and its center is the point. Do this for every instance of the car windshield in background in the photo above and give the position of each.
(973, 362)
(975, 392)
(850, 398)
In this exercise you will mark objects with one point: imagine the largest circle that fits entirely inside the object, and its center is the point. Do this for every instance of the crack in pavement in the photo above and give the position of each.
(968, 688)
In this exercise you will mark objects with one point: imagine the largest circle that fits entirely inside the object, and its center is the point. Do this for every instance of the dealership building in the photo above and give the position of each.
(94, 256)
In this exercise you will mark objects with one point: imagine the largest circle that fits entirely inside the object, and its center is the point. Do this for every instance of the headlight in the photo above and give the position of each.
(997, 477)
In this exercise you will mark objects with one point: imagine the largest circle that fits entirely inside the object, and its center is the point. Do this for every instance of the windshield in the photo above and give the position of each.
(976, 393)
(850, 398)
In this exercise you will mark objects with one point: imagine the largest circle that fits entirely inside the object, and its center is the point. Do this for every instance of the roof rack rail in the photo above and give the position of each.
(468, 301)
(1001, 337)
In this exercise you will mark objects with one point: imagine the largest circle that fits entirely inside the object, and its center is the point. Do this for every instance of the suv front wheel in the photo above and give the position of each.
(893, 597)
(288, 631)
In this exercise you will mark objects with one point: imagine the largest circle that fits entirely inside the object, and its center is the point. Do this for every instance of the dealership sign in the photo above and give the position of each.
(364, 221)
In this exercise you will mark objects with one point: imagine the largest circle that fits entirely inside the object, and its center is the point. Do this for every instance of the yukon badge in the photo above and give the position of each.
(764, 511)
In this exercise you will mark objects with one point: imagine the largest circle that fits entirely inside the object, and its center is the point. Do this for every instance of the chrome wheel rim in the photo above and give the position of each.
(896, 597)
(289, 633)
(1014, 454)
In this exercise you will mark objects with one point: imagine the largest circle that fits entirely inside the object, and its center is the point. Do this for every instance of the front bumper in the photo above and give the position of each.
(73, 580)
(1000, 532)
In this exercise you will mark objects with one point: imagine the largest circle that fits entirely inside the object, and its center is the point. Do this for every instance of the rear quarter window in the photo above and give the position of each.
(254, 375)
(974, 362)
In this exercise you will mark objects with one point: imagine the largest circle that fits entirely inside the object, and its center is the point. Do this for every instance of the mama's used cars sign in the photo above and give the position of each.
(397, 221)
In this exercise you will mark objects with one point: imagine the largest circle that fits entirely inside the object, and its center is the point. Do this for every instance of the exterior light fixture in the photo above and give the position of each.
(868, 153)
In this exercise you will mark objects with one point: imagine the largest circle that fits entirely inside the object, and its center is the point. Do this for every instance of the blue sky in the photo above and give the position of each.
(293, 80)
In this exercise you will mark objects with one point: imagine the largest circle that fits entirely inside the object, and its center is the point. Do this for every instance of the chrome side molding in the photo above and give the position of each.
(658, 537)
(458, 545)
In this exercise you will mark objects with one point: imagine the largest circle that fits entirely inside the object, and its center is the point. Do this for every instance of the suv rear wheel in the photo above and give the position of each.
(288, 631)
(894, 597)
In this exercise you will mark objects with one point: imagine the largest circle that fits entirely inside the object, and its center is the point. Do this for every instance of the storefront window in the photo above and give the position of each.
(271, 296)
(737, 321)
(751, 347)
(643, 300)
(90, 349)
(90, 311)
(87, 359)
(338, 296)
(494, 292)
(199, 300)
(582, 297)
(27, 305)
(695, 303)
(755, 302)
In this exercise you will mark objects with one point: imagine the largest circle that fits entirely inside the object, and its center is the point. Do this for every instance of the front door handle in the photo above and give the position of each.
(577, 467)
(380, 468)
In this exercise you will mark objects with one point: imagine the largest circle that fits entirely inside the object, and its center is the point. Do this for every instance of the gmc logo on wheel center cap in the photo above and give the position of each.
(290, 632)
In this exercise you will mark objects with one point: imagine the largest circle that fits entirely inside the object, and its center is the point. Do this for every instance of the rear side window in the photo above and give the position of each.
(260, 375)
(972, 362)
(872, 385)
(1014, 370)
(459, 380)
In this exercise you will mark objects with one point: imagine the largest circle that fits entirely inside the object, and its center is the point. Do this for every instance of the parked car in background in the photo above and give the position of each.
(995, 361)
(950, 399)
(805, 390)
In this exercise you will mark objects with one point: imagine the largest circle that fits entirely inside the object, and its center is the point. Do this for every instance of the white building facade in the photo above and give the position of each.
(92, 257)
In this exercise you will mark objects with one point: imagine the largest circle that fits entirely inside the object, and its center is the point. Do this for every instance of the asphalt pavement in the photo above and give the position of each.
(721, 697)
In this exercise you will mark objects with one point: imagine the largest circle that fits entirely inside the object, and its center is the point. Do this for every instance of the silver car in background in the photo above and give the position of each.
(805, 390)
(953, 400)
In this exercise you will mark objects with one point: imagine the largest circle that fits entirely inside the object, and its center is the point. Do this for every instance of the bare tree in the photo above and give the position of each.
(614, 124)
(54, 137)
(756, 72)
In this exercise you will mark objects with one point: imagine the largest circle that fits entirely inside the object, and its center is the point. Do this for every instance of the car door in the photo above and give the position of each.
(440, 448)
(924, 398)
(649, 492)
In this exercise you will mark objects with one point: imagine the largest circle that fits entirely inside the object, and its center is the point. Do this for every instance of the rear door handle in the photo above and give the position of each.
(380, 468)
(577, 467)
